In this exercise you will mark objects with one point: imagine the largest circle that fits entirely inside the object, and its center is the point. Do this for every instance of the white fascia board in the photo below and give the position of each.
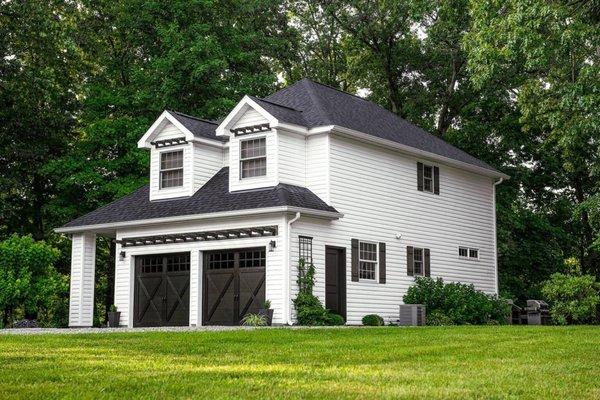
(223, 128)
(144, 142)
(195, 217)
(302, 130)
(351, 133)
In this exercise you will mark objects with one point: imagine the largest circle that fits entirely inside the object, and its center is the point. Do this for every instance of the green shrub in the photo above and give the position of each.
(29, 283)
(254, 320)
(574, 299)
(333, 319)
(460, 303)
(438, 318)
(309, 310)
(372, 320)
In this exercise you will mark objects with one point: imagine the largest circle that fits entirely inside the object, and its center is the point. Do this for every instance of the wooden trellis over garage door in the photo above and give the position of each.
(234, 285)
(162, 290)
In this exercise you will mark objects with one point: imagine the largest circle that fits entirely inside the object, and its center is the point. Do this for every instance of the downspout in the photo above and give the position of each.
(288, 266)
(496, 238)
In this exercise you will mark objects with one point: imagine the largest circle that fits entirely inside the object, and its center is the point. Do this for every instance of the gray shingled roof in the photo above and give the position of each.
(323, 105)
(201, 128)
(310, 104)
(214, 196)
(282, 113)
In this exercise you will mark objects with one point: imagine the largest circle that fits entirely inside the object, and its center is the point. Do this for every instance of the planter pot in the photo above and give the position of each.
(113, 319)
(268, 314)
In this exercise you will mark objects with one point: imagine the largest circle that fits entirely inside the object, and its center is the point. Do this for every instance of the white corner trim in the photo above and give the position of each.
(223, 128)
(287, 309)
(194, 217)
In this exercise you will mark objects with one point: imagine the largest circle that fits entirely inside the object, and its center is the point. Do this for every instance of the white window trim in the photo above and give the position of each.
(422, 261)
(173, 149)
(240, 160)
(468, 256)
(376, 262)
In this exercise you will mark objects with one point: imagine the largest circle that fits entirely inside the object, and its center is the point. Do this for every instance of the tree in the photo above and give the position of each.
(323, 47)
(547, 54)
(40, 75)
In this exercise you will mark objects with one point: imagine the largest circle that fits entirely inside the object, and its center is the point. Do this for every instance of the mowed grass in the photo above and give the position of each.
(488, 362)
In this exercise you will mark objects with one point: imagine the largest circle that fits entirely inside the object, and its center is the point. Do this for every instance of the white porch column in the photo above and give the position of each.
(83, 267)
(195, 288)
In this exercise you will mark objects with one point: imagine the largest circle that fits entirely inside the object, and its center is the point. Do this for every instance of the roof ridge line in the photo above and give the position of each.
(319, 105)
(275, 104)
(341, 91)
(196, 118)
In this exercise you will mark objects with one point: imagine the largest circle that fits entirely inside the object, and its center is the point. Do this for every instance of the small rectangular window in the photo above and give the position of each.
(367, 260)
(468, 252)
(418, 262)
(171, 169)
(305, 249)
(253, 158)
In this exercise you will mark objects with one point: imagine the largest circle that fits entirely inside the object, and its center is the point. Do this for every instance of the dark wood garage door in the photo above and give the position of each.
(234, 285)
(162, 290)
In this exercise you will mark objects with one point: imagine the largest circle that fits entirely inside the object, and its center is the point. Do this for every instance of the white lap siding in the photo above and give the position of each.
(124, 274)
(376, 190)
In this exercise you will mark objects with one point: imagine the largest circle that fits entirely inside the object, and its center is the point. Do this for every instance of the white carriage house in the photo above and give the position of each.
(308, 172)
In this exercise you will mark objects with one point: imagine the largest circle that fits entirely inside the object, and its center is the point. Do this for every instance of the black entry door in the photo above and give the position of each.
(162, 295)
(335, 280)
(234, 285)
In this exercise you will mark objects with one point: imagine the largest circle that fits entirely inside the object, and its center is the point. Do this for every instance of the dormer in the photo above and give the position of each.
(184, 154)
(263, 149)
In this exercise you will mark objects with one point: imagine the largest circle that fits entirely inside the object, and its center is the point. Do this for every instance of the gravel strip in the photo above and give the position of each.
(73, 331)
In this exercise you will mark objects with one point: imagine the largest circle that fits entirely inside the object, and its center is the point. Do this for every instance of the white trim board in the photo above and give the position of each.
(193, 217)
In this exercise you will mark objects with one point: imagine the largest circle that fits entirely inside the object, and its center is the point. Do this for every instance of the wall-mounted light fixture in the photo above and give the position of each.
(272, 245)
(122, 256)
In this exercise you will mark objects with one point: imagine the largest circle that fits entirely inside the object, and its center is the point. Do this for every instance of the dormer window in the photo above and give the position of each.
(253, 158)
(171, 169)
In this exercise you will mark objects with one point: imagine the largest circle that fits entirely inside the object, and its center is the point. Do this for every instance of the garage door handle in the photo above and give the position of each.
(164, 299)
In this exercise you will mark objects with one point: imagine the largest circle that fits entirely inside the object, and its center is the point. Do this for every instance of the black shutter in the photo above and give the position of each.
(426, 261)
(410, 264)
(420, 176)
(381, 262)
(355, 260)
(436, 180)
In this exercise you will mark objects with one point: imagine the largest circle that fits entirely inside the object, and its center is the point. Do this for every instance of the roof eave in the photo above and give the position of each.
(183, 218)
(347, 132)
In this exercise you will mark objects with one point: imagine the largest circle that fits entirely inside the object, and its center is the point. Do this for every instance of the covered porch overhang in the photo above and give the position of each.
(134, 238)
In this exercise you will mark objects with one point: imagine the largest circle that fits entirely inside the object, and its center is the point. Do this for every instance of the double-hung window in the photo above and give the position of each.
(253, 158)
(171, 169)
(418, 269)
(367, 260)
(427, 178)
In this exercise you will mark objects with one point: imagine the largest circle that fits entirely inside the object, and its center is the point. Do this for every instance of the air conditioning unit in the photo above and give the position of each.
(412, 315)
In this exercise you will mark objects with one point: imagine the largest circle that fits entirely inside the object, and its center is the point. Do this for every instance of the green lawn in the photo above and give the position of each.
(453, 362)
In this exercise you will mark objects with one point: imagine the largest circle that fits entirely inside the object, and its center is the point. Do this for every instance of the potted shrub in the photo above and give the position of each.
(254, 320)
(113, 317)
(267, 312)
